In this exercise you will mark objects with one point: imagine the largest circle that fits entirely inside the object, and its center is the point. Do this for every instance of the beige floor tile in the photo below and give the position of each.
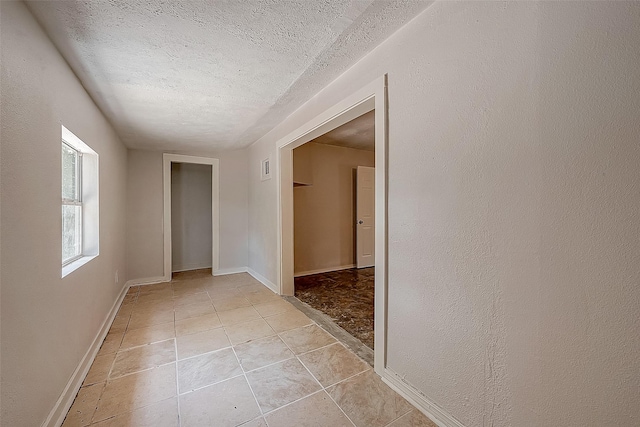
(262, 352)
(219, 283)
(136, 391)
(100, 368)
(253, 287)
(282, 383)
(333, 364)
(161, 414)
(187, 288)
(317, 410)
(207, 369)
(111, 343)
(262, 297)
(120, 322)
(414, 418)
(273, 307)
(238, 279)
(229, 403)
(238, 315)
(307, 338)
(251, 330)
(216, 293)
(155, 297)
(146, 318)
(190, 275)
(158, 287)
(150, 334)
(367, 401)
(145, 357)
(258, 422)
(231, 303)
(161, 304)
(133, 290)
(194, 310)
(125, 309)
(84, 406)
(187, 299)
(197, 324)
(129, 298)
(288, 320)
(202, 342)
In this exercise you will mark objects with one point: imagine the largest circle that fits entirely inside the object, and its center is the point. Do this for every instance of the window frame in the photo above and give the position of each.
(77, 201)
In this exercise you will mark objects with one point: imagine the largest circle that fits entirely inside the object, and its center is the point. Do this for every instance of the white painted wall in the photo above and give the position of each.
(48, 323)
(190, 216)
(144, 211)
(324, 217)
(514, 204)
(144, 215)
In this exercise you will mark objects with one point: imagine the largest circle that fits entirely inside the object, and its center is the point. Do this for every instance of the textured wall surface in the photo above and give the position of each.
(514, 208)
(144, 215)
(48, 323)
(324, 212)
(144, 212)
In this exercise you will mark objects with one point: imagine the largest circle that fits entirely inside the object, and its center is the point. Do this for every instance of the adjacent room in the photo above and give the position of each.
(334, 262)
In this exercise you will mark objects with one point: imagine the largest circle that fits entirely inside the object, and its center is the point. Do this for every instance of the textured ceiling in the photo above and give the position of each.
(359, 133)
(212, 75)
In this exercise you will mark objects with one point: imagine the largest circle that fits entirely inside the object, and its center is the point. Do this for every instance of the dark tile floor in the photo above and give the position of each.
(346, 296)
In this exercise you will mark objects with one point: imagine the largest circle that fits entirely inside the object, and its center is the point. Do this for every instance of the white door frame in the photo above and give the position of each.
(372, 96)
(167, 159)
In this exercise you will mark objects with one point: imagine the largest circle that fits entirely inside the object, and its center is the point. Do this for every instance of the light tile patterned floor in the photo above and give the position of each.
(226, 351)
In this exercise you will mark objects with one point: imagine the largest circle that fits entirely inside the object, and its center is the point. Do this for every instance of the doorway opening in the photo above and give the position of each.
(370, 99)
(334, 218)
(191, 215)
(191, 232)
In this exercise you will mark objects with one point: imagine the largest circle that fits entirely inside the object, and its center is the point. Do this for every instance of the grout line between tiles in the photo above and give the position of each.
(340, 407)
(175, 343)
(244, 374)
(269, 365)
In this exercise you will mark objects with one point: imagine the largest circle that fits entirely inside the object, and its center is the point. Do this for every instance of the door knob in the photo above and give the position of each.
(360, 222)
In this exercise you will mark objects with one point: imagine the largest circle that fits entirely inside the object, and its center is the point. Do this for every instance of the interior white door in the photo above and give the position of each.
(365, 217)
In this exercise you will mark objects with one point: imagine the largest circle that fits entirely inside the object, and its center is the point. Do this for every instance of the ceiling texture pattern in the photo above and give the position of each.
(212, 75)
(359, 134)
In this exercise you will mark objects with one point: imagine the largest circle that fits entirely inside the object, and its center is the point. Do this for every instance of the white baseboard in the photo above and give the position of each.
(259, 277)
(438, 415)
(60, 409)
(147, 281)
(324, 270)
(225, 271)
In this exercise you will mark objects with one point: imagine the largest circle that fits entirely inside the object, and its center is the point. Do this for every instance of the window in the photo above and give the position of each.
(80, 229)
(71, 204)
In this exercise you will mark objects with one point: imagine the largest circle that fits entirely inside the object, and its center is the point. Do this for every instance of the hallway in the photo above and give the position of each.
(227, 351)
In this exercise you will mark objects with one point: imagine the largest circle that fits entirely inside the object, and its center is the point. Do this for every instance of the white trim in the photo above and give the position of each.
(64, 402)
(167, 159)
(371, 97)
(260, 278)
(147, 281)
(76, 264)
(438, 415)
(225, 271)
(324, 270)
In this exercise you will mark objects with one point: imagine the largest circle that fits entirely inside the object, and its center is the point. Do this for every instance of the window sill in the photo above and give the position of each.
(71, 267)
